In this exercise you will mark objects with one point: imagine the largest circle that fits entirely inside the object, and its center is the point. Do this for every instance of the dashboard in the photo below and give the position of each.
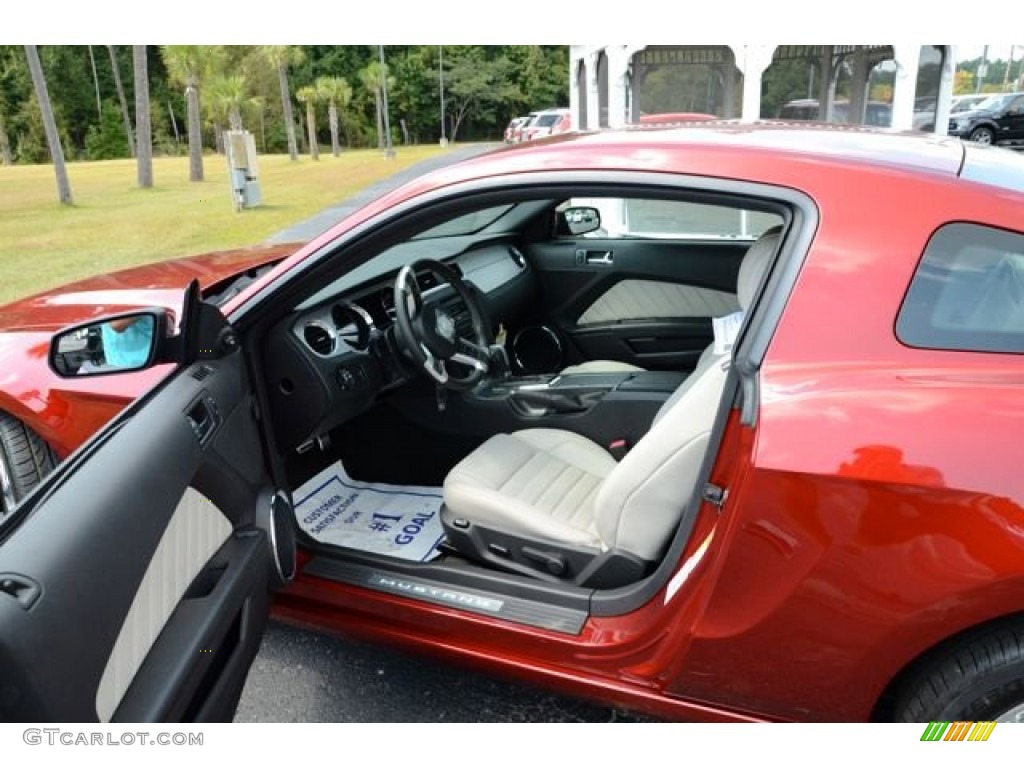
(328, 362)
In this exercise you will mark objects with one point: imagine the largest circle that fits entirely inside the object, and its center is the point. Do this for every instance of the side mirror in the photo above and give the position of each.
(579, 220)
(115, 344)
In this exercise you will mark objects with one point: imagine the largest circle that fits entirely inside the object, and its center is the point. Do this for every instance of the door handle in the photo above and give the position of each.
(599, 258)
(203, 417)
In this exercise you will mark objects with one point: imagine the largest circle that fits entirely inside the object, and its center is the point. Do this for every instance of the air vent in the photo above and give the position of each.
(318, 338)
(517, 257)
(201, 372)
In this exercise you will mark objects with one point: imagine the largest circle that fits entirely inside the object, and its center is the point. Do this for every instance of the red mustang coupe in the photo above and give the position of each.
(718, 422)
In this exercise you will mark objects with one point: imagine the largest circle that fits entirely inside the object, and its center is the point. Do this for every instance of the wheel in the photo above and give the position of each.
(25, 459)
(982, 135)
(429, 334)
(980, 678)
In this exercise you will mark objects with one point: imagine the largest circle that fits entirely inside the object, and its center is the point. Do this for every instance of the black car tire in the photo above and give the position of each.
(979, 678)
(983, 135)
(26, 457)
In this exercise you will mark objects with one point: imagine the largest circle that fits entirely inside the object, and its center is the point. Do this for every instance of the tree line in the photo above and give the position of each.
(292, 98)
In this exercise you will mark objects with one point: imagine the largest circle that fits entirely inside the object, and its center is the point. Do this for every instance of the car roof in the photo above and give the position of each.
(839, 141)
(684, 148)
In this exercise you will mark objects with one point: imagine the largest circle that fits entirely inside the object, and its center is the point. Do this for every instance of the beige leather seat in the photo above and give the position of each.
(553, 503)
(601, 366)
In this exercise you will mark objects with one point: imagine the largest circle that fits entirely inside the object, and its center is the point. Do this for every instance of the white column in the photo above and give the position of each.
(946, 79)
(618, 66)
(593, 95)
(575, 57)
(908, 58)
(752, 61)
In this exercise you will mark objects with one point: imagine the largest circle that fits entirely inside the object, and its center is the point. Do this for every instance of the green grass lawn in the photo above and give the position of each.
(113, 224)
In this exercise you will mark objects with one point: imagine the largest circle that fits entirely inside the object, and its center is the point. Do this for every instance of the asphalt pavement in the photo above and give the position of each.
(309, 677)
(304, 676)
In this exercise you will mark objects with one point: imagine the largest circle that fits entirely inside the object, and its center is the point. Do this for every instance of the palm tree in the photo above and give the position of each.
(123, 101)
(188, 65)
(280, 57)
(35, 68)
(229, 95)
(374, 78)
(143, 129)
(309, 96)
(370, 78)
(337, 93)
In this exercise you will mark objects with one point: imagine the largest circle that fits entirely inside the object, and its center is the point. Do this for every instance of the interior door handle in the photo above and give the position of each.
(203, 416)
(602, 258)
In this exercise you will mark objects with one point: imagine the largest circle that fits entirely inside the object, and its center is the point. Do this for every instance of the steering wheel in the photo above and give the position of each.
(428, 333)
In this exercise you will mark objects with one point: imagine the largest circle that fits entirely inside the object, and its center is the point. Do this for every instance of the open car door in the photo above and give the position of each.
(135, 581)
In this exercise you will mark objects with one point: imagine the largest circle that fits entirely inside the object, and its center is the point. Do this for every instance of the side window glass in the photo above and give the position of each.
(967, 293)
(676, 219)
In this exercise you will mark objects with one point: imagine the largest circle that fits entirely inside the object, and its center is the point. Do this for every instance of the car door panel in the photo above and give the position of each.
(645, 302)
(654, 345)
(196, 530)
(218, 621)
(632, 299)
(153, 573)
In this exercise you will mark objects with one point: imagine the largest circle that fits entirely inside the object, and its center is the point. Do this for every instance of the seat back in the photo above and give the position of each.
(641, 502)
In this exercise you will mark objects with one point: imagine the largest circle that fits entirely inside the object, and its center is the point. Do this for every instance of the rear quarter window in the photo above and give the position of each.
(967, 293)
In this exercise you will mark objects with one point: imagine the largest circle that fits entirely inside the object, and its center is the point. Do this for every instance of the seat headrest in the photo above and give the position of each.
(755, 263)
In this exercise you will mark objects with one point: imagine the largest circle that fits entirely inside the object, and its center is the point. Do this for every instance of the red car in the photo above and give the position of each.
(718, 422)
(42, 417)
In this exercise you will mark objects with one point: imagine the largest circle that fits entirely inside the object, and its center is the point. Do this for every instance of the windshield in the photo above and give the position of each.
(468, 224)
(545, 121)
(994, 102)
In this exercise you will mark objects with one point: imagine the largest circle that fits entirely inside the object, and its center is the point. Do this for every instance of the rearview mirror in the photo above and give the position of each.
(115, 344)
(579, 220)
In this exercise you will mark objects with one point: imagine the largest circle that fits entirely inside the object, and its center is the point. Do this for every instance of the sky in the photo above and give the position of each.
(449, 22)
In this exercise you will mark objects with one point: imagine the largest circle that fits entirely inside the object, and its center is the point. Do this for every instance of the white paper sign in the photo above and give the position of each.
(726, 330)
(398, 520)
